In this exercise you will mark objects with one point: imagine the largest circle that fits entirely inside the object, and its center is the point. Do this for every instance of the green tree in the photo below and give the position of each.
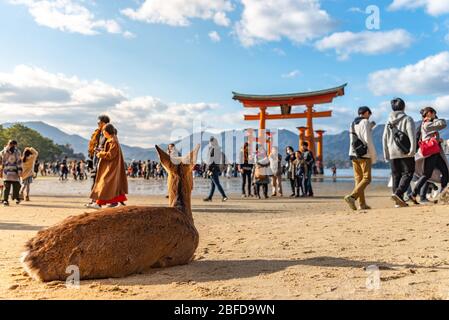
(27, 137)
(3, 138)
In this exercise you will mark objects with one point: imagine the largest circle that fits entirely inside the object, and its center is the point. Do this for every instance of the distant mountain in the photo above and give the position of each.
(336, 146)
(80, 144)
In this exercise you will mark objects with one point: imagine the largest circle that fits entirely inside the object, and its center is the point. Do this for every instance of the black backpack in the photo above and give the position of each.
(359, 147)
(400, 138)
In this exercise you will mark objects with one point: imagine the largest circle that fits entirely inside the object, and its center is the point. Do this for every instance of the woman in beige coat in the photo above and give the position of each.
(28, 160)
(111, 184)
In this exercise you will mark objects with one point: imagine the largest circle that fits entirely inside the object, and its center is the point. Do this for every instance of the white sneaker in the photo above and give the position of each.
(93, 206)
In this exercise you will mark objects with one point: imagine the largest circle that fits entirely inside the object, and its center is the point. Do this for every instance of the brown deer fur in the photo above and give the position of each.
(121, 241)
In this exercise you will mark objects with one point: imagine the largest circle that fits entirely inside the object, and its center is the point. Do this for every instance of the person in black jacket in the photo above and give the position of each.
(309, 160)
(289, 159)
(245, 168)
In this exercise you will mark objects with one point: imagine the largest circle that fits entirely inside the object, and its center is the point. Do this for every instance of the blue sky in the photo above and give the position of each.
(65, 61)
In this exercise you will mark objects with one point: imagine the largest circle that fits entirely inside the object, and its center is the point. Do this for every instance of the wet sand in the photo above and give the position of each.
(313, 248)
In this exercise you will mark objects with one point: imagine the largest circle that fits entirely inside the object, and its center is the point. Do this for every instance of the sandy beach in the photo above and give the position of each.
(313, 248)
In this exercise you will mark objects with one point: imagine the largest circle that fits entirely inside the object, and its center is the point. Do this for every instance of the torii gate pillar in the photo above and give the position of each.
(310, 134)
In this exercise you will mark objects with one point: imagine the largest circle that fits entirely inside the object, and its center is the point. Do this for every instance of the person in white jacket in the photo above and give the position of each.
(362, 130)
(402, 162)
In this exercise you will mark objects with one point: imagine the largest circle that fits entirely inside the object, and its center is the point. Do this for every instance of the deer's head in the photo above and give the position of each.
(180, 178)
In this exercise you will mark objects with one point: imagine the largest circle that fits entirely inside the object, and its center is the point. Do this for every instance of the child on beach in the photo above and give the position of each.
(300, 170)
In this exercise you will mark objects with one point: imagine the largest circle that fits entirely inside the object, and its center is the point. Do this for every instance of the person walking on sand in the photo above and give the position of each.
(276, 169)
(96, 144)
(399, 147)
(245, 168)
(214, 159)
(28, 159)
(111, 184)
(363, 155)
(289, 159)
(430, 148)
(11, 160)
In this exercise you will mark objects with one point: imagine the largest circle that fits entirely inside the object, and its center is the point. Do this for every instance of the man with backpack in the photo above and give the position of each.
(399, 146)
(363, 155)
(11, 162)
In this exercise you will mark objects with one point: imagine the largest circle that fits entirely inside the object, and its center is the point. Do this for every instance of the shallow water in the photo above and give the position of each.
(51, 186)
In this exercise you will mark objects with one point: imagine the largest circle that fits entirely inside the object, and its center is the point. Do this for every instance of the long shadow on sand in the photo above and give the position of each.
(55, 206)
(234, 210)
(19, 226)
(217, 270)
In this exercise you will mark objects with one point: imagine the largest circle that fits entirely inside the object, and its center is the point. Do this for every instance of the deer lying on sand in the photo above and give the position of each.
(118, 242)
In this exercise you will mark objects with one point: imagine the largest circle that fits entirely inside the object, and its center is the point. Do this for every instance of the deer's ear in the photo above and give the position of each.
(165, 158)
(192, 156)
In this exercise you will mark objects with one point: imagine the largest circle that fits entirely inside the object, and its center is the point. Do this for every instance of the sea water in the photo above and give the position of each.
(51, 186)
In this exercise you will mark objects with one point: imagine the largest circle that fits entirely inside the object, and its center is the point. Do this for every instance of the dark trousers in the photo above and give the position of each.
(308, 183)
(431, 163)
(246, 181)
(15, 190)
(402, 171)
(264, 188)
(422, 193)
(292, 184)
(215, 182)
(299, 184)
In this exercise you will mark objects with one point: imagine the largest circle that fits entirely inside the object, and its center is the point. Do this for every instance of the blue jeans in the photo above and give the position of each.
(308, 183)
(215, 182)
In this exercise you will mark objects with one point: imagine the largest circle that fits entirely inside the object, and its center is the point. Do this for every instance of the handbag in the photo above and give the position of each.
(429, 147)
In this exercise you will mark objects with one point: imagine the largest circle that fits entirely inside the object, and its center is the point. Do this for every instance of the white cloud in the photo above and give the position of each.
(432, 7)
(428, 76)
(180, 12)
(366, 42)
(69, 16)
(441, 104)
(272, 20)
(214, 36)
(292, 74)
(30, 93)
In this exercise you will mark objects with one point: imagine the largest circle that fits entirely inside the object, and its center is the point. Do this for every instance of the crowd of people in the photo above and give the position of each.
(259, 169)
(414, 154)
(109, 172)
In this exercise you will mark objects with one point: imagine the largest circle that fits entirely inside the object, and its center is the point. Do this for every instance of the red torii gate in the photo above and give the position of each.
(286, 102)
